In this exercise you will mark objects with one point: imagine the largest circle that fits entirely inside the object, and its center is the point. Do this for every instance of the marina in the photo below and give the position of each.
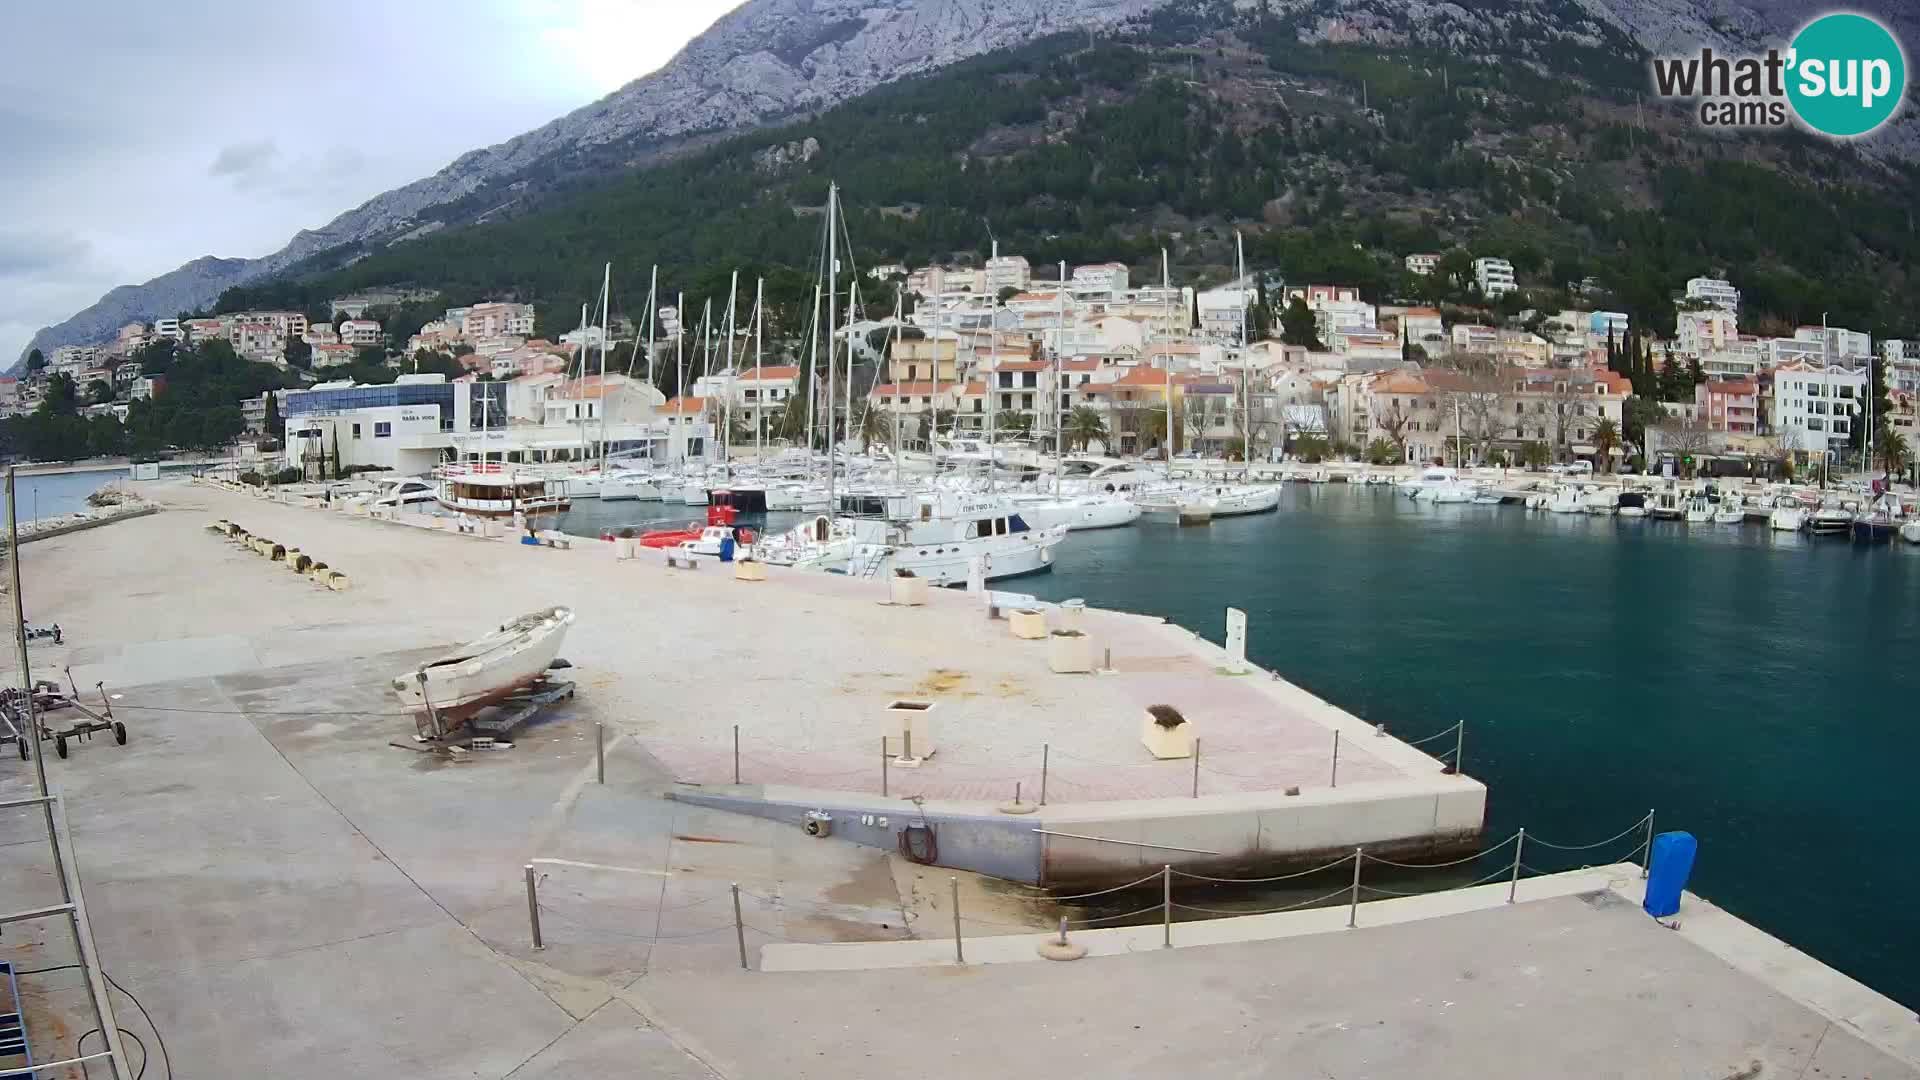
(439, 909)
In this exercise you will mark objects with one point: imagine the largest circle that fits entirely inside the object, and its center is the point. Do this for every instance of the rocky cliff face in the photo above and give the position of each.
(770, 59)
(765, 60)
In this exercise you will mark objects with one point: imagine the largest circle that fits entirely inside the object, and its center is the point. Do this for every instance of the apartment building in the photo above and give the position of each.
(1814, 405)
(1715, 291)
(1493, 277)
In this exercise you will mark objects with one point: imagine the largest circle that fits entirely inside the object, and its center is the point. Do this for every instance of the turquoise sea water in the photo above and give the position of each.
(53, 494)
(1753, 688)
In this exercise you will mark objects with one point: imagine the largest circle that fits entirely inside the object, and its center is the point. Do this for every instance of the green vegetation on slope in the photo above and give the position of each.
(1205, 122)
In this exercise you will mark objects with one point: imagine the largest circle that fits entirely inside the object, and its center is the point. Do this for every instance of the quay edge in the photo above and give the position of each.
(1097, 845)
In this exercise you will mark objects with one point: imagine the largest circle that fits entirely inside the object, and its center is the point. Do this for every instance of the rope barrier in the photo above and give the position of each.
(1341, 861)
(1435, 735)
(1268, 911)
(1475, 857)
(1102, 892)
(1628, 831)
(1111, 918)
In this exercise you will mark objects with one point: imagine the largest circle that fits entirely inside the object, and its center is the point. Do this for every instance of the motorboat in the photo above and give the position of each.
(1566, 499)
(1830, 518)
(1699, 509)
(819, 544)
(1729, 511)
(1431, 476)
(623, 485)
(1788, 514)
(1241, 499)
(1668, 505)
(1486, 496)
(939, 535)
(1319, 476)
(394, 492)
(1600, 501)
(1077, 512)
(444, 691)
(1910, 532)
(1632, 504)
(721, 516)
(1456, 492)
(1879, 521)
(491, 489)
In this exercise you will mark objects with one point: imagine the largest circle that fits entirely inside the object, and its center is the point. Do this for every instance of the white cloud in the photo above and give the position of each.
(257, 120)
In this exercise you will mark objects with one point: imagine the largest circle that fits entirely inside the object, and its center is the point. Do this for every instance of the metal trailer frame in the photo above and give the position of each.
(13, 1028)
(49, 698)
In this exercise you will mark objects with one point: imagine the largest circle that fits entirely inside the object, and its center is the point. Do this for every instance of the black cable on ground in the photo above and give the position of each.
(84, 1071)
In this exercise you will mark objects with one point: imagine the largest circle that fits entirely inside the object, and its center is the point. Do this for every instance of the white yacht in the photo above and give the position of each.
(393, 492)
(1566, 499)
(1429, 477)
(821, 543)
(627, 485)
(1458, 491)
(1077, 512)
(1699, 509)
(1668, 505)
(1832, 518)
(1601, 501)
(1788, 515)
(1729, 512)
(937, 535)
(1234, 500)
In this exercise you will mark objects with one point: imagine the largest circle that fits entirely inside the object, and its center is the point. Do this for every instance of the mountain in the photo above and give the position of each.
(773, 61)
(764, 60)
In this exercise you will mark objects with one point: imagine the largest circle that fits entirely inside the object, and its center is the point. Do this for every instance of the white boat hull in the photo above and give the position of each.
(484, 670)
(1910, 532)
(1078, 515)
(1236, 501)
(1002, 557)
(1785, 519)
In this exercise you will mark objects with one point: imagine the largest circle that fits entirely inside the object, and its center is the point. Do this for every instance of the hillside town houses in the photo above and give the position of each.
(1007, 348)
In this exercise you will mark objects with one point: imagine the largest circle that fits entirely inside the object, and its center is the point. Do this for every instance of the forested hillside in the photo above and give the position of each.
(1337, 146)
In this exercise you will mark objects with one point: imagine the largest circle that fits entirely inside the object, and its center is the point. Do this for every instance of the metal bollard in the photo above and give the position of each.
(739, 928)
(958, 956)
(1196, 768)
(1646, 859)
(1166, 906)
(1107, 664)
(1353, 895)
(1513, 886)
(1046, 751)
(533, 910)
(1334, 780)
(600, 751)
(736, 753)
(1459, 743)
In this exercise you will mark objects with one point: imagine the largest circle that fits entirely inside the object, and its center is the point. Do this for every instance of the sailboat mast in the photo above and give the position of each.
(993, 379)
(1246, 374)
(581, 425)
(898, 305)
(933, 423)
(833, 297)
(606, 336)
(853, 305)
(1166, 360)
(759, 392)
(733, 374)
(1059, 346)
(680, 365)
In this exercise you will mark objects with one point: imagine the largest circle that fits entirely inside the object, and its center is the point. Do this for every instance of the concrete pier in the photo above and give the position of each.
(289, 895)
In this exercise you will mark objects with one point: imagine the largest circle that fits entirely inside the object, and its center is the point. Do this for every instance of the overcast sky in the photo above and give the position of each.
(139, 135)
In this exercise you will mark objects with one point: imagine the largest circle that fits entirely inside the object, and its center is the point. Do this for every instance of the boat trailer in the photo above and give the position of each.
(48, 699)
(493, 726)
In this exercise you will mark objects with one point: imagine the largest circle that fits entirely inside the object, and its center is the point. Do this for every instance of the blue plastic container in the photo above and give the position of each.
(1670, 865)
(726, 549)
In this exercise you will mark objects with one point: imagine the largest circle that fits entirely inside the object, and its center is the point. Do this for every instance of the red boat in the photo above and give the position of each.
(716, 515)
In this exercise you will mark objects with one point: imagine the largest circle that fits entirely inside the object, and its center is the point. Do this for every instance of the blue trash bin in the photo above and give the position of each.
(726, 549)
(1668, 868)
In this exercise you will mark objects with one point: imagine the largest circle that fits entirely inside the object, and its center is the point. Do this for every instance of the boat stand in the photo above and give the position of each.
(48, 699)
(493, 726)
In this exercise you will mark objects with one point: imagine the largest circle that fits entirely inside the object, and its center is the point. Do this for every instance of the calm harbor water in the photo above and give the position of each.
(1752, 688)
(53, 494)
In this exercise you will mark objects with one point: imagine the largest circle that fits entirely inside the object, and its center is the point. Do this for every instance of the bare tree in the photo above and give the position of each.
(1395, 421)
(1477, 391)
(1684, 435)
(1193, 417)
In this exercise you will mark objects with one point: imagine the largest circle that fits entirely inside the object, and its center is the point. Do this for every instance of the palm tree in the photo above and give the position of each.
(935, 421)
(1892, 450)
(1606, 436)
(1085, 426)
(876, 425)
(1015, 423)
(790, 423)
